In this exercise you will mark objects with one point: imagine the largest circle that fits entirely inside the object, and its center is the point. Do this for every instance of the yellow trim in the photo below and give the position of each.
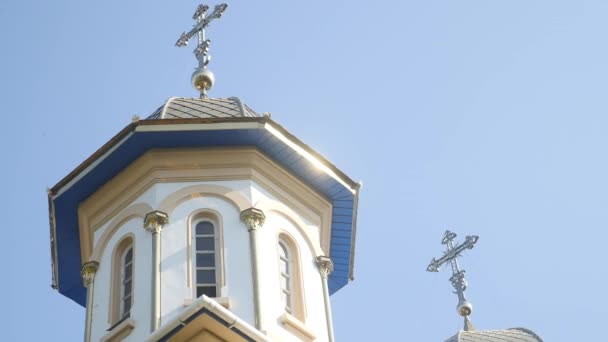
(272, 206)
(194, 165)
(293, 325)
(138, 210)
(171, 202)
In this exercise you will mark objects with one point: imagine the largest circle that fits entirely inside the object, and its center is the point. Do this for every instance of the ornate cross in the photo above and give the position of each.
(202, 21)
(457, 279)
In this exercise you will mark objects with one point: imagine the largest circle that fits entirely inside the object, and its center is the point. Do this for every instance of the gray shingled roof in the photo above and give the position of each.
(189, 108)
(508, 335)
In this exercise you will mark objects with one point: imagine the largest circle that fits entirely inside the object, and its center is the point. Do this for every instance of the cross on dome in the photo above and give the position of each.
(457, 279)
(202, 79)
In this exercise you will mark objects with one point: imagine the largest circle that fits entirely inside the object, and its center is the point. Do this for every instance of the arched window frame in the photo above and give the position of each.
(296, 307)
(126, 281)
(118, 290)
(211, 216)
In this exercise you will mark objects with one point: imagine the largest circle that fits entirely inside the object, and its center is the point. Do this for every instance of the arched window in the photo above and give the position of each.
(285, 267)
(290, 277)
(126, 289)
(121, 292)
(206, 258)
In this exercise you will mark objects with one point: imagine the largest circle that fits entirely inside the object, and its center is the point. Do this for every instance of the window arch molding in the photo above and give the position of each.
(214, 217)
(298, 304)
(238, 200)
(138, 210)
(116, 307)
(272, 206)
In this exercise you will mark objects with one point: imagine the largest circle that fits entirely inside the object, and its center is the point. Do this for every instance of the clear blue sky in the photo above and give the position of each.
(485, 117)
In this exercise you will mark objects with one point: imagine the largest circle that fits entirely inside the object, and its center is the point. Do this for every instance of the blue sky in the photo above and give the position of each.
(484, 117)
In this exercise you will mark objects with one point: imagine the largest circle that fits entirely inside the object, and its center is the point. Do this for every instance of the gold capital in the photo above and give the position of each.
(326, 266)
(88, 272)
(253, 218)
(154, 221)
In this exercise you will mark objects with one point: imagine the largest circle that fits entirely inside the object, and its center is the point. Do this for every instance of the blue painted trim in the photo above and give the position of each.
(66, 205)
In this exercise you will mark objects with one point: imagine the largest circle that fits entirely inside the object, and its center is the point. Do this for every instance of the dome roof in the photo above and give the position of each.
(191, 108)
(508, 335)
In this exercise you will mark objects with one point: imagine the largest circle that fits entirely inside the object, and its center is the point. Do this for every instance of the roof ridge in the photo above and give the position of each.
(167, 103)
(528, 331)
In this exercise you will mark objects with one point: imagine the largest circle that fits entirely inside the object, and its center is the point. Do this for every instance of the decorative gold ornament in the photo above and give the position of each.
(253, 218)
(88, 272)
(155, 220)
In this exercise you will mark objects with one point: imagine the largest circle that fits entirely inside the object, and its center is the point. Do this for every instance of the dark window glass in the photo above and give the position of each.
(127, 306)
(208, 291)
(205, 244)
(205, 276)
(129, 256)
(204, 228)
(205, 260)
(129, 271)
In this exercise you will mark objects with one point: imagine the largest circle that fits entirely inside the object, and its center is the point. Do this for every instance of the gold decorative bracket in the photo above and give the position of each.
(326, 266)
(155, 220)
(88, 272)
(253, 218)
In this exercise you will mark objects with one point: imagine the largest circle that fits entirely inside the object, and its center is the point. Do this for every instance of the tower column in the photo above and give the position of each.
(326, 266)
(254, 220)
(154, 222)
(88, 278)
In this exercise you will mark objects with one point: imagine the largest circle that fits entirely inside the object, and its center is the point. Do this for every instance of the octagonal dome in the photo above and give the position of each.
(195, 108)
(507, 335)
(197, 123)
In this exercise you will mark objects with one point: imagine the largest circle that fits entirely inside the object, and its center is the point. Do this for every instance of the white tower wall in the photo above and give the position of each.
(290, 217)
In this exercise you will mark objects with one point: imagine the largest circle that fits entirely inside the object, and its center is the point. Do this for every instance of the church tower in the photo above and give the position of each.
(204, 222)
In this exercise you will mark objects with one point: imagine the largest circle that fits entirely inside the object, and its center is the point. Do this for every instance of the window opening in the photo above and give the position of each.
(286, 276)
(205, 259)
(127, 282)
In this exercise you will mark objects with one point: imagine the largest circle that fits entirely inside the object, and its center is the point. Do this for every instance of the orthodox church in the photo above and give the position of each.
(204, 222)
(207, 221)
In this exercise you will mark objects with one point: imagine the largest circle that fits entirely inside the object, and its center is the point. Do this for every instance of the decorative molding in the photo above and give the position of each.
(134, 211)
(184, 165)
(326, 266)
(253, 218)
(169, 203)
(278, 209)
(154, 221)
(294, 325)
(88, 272)
(119, 332)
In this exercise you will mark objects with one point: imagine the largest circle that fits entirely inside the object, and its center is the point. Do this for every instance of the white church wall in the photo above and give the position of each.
(176, 290)
(288, 216)
(141, 282)
(311, 289)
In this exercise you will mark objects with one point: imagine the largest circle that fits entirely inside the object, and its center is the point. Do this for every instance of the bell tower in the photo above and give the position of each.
(204, 221)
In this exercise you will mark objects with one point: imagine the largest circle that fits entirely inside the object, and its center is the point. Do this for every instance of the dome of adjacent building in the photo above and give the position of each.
(195, 108)
(508, 335)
